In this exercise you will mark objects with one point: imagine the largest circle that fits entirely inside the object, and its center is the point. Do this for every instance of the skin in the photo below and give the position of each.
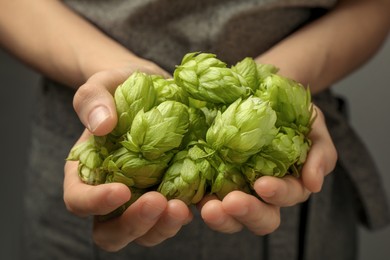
(317, 55)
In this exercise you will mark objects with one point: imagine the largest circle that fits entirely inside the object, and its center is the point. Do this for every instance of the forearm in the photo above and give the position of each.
(326, 50)
(48, 36)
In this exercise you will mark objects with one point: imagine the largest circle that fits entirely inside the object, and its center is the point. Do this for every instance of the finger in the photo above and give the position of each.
(216, 218)
(174, 217)
(322, 157)
(83, 200)
(257, 216)
(283, 192)
(94, 102)
(136, 221)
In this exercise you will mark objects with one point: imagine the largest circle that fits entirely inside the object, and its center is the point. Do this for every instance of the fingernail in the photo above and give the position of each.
(268, 194)
(97, 116)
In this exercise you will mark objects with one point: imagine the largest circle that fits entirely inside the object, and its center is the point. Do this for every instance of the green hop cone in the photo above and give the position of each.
(290, 100)
(242, 129)
(265, 70)
(247, 68)
(206, 78)
(197, 127)
(133, 170)
(229, 178)
(90, 155)
(284, 155)
(135, 94)
(166, 89)
(188, 175)
(159, 130)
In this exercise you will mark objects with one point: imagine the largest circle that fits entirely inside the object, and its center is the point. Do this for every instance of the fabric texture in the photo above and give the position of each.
(163, 31)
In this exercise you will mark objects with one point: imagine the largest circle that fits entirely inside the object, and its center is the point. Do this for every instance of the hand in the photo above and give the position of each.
(94, 102)
(148, 221)
(238, 210)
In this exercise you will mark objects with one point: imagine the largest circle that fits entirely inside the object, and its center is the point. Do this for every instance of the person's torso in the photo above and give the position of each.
(164, 30)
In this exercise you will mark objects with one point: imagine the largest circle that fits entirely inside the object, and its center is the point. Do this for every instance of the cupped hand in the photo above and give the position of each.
(151, 219)
(239, 210)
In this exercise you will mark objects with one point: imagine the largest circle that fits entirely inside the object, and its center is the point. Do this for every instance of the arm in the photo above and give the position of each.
(48, 36)
(336, 44)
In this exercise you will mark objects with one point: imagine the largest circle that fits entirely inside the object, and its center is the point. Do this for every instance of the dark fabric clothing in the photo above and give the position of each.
(325, 227)
(164, 30)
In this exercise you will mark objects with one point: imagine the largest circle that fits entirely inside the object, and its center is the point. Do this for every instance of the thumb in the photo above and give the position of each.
(94, 101)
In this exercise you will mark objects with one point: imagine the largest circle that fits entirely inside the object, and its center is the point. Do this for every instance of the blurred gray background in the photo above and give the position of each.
(368, 92)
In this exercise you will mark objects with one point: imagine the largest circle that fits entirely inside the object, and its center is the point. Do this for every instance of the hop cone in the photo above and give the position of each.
(290, 100)
(159, 130)
(135, 94)
(187, 177)
(166, 89)
(286, 152)
(206, 78)
(265, 70)
(229, 178)
(242, 129)
(133, 170)
(90, 155)
(247, 68)
(197, 127)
